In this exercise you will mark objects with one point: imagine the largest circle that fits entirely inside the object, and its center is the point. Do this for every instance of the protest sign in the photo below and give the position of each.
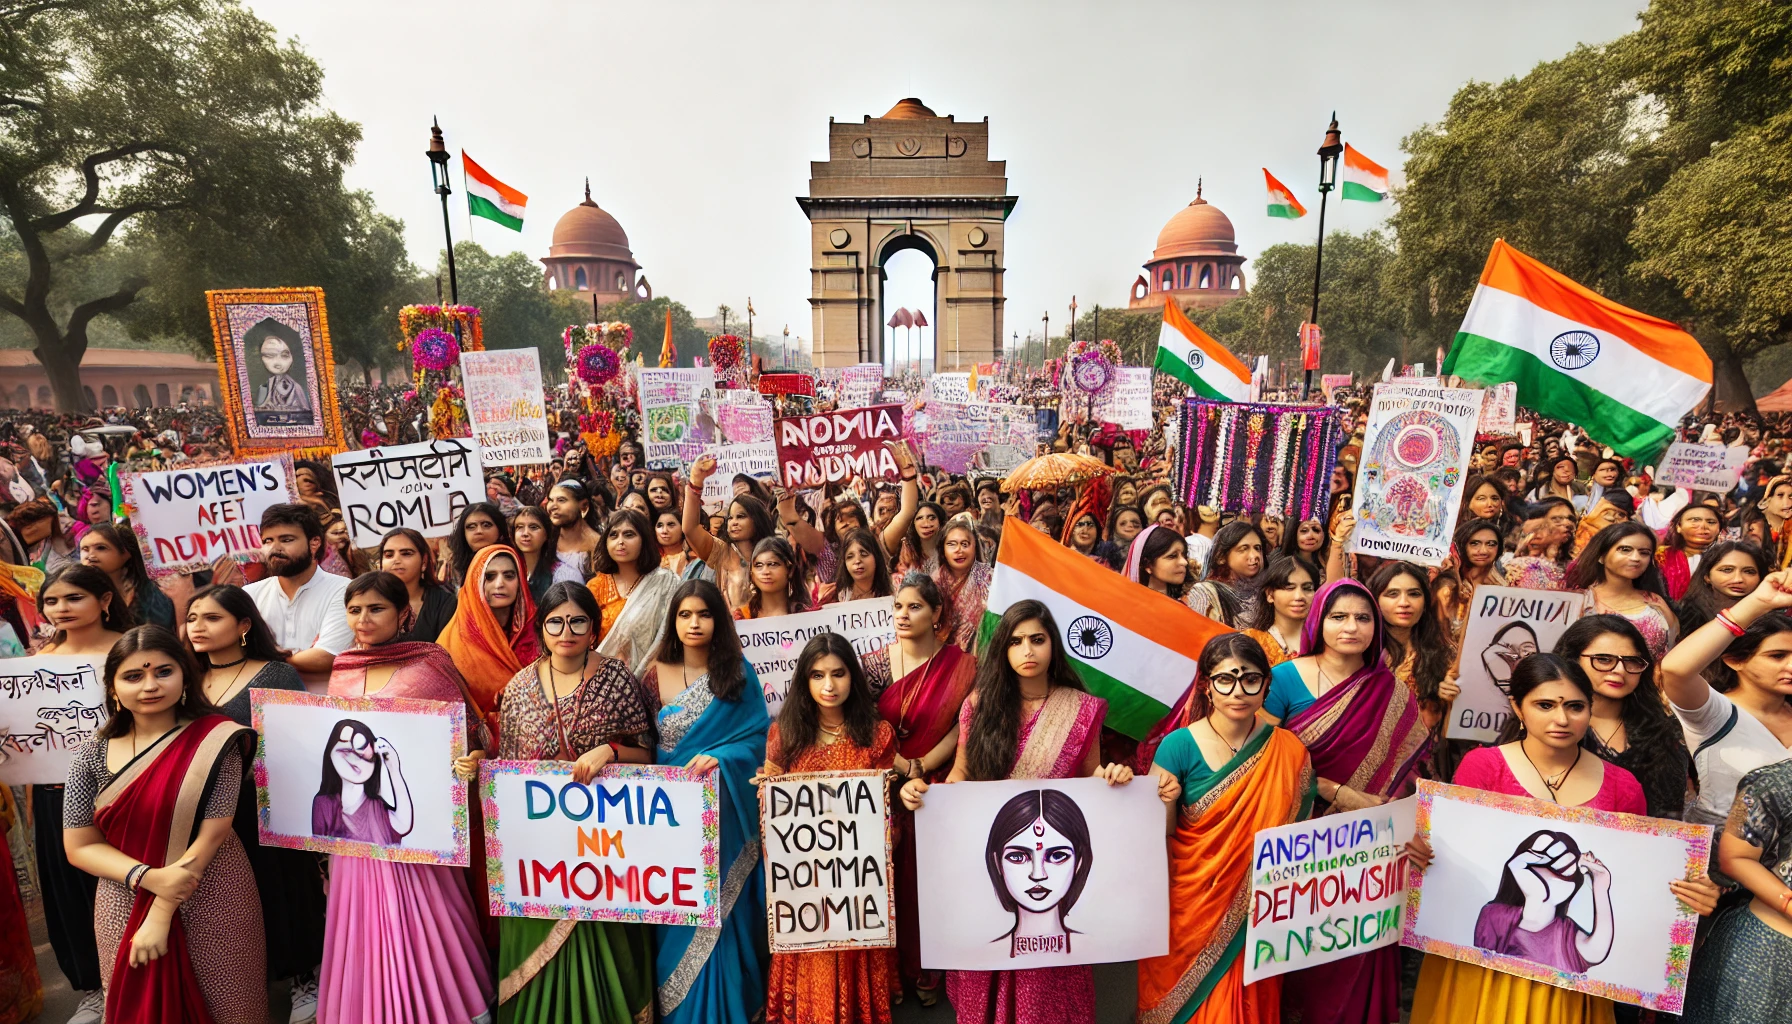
(744, 421)
(954, 433)
(758, 460)
(677, 414)
(859, 385)
(505, 405)
(828, 879)
(1127, 401)
(1325, 889)
(772, 645)
(627, 846)
(1416, 450)
(1499, 409)
(189, 517)
(1096, 870)
(1702, 467)
(834, 447)
(387, 789)
(49, 705)
(1599, 878)
(998, 460)
(1505, 626)
(949, 387)
(424, 486)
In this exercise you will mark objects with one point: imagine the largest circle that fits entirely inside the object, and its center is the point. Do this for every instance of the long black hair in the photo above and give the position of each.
(1280, 576)
(1156, 546)
(796, 594)
(161, 640)
(1589, 566)
(994, 739)
(727, 665)
(331, 783)
(1465, 533)
(800, 720)
(460, 553)
(548, 558)
(1535, 671)
(1723, 678)
(1432, 652)
(115, 618)
(880, 571)
(136, 573)
(1228, 537)
(1648, 729)
(1509, 892)
(258, 643)
(1503, 520)
(757, 512)
(650, 555)
(1291, 540)
(1701, 602)
(1061, 813)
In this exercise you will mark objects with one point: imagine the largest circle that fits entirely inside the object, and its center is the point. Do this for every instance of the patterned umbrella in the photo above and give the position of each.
(1054, 470)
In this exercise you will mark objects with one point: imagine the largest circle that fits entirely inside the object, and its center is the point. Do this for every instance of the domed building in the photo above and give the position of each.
(590, 253)
(1196, 262)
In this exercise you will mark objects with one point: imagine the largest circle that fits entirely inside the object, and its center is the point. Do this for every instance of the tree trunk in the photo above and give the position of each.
(1730, 382)
(60, 356)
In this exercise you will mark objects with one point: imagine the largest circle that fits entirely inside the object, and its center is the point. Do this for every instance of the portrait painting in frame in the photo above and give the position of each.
(276, 373)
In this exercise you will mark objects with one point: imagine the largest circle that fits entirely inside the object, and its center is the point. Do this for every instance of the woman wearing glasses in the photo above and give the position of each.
(1238, 775)
(574, 704)
(1628, 728)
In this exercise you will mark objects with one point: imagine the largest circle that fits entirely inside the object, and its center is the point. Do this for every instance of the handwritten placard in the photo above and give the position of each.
(828, 882)
(505, 405)
(758, 460)
(1702, 467)
(1505, 626)
(677, 414)
(955, 433)
(744, 421)
(1499, 409)
(834, 447)
(950, 387)
(1416, 450)
(187, 518)
(772, 645)
(424, 486)
(49, 705)
(1127, 401)
(1325, 889)
(859, 385)
(628, 846)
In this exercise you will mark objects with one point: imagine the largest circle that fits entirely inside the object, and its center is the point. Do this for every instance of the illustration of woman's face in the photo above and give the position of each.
(1510, 646)
(275, 355)
(352, 754)
(1038, 865)
(1557, 866)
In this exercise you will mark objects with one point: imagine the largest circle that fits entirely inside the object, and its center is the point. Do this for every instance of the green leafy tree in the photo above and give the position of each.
(171, 115)
(649, 322)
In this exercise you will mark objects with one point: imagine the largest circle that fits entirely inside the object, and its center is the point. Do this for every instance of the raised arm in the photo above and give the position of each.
(696, 534)
(1682, 667)
(911, 498)
(801, 533)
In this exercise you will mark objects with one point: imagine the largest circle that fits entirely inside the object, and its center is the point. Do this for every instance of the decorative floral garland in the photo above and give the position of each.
(436, 336)
(1292, 481)
(1092, 373)
(597, 364)
(434, 349)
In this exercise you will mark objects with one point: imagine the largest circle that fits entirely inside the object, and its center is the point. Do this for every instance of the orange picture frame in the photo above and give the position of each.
(276, 371)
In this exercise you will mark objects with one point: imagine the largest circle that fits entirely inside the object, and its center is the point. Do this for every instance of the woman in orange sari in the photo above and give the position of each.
(490, 638)
(1238, 775)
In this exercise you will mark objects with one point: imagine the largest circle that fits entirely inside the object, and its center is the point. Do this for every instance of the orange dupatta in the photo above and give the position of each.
(486, 654)
(1269, 783)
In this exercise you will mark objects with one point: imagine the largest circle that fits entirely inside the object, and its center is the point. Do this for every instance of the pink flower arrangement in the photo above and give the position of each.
(435, 349)
(598, 365)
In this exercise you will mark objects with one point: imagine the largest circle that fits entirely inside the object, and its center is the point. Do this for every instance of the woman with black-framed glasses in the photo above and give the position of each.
(574, 704)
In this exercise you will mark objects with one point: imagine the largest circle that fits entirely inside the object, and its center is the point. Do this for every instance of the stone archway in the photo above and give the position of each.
(926, 246)
(909, 174)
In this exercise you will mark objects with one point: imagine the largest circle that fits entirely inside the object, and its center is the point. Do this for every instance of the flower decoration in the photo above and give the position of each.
(725, 351)
(1092, 372)
(434, 349)
(598, 364)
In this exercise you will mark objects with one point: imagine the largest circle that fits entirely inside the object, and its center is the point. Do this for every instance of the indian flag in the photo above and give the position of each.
(1281, 201)
(1185, 352)
(490, 198)
(1132, 646)
(1364, 179)
(1625, 376)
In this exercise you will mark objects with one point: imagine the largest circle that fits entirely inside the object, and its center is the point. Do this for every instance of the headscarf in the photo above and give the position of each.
(1137, 551)
(1311, 631)
(1092, 499)
(486, 654)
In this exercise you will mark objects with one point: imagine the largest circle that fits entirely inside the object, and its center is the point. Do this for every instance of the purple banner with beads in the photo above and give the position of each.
(1253, 457)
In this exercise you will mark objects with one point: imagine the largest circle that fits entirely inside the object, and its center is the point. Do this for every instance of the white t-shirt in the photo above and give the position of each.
(313, 618)
(1727, 743)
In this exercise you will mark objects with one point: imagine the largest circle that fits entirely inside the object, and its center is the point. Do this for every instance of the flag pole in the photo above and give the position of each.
(438, 174)
(1328, 160)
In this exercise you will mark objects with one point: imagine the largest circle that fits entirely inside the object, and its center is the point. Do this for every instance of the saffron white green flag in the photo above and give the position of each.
(1364, 179)
(490, 198)
(1185, 352)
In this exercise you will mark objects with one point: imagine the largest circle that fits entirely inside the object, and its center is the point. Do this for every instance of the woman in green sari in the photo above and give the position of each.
(574, 704)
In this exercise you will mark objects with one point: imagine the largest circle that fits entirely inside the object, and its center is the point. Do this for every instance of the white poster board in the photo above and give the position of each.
(860, 384)
(1099, 848)
(677, 414)
(772, 645)
(627, 846)
(49, 705)
(949, 387)
(1127, 401)
(829, 882)
(758, 460)
(1702, 467)
(1499, 409)
(386, 788)
(1505, 625)
(1416, 450)
(1492, 855)
(189, 517)
(506, 407)
(1326, 889)
(424, 486)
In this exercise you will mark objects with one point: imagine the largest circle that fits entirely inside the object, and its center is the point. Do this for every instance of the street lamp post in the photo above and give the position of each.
(438, 174)
(1073, 318)
(1045, 340)
(786, 348)
(1328, 179)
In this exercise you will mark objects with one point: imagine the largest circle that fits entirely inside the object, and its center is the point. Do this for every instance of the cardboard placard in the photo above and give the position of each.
(677, 414)
(859, 385)
(834, 447)
(506, 406)
(744, 422)
(1499, 409)
(955, 434)
(1505, 625)
(1702, 467)
(829, 879)
(772, 645)
(49, 705)
(758, 460)
(424, 486)
(628, 846)
(188, 517)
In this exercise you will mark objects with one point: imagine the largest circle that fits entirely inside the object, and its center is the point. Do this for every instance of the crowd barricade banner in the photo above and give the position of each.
(834, 447)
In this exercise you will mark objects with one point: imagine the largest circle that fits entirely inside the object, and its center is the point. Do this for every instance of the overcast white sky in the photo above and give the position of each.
(697, 120)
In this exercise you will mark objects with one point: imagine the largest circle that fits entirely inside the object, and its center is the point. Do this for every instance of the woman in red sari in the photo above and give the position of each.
(149, 810)
(829, 724)
(920, 682)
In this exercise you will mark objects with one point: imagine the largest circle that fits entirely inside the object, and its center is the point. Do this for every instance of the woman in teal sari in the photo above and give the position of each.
(712, 718)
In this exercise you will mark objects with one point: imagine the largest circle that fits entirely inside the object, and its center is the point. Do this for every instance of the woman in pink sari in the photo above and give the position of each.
(401, 941)
(1363, 731)
(965, 580)
(1029, 719)
(922, 681)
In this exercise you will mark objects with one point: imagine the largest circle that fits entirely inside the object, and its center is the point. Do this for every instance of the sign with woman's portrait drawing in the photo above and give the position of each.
(361, 776)
(276, 373)
(1505, 626)
(1028, 873)
(1567, 896)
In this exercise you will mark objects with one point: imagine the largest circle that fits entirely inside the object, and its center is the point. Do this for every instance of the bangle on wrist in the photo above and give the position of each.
(1723, 619)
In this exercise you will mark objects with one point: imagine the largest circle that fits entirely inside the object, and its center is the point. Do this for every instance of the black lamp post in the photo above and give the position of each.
(438, 174)
(1328, 180)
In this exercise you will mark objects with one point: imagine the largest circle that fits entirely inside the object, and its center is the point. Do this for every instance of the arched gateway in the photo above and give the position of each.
(907, 180)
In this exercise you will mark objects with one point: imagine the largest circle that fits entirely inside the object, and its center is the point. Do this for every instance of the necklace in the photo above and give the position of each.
(1561, 780)
(230, 685)
(1606, 741)
(912, 693)
(831, 734)
(1208, 721)
(228, 664)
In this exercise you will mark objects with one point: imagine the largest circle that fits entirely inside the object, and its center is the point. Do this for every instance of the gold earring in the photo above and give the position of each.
(243, 640)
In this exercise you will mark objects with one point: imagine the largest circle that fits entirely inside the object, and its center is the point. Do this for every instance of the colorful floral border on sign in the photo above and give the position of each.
(436, 336)
(301, 310)
(1252, 457)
